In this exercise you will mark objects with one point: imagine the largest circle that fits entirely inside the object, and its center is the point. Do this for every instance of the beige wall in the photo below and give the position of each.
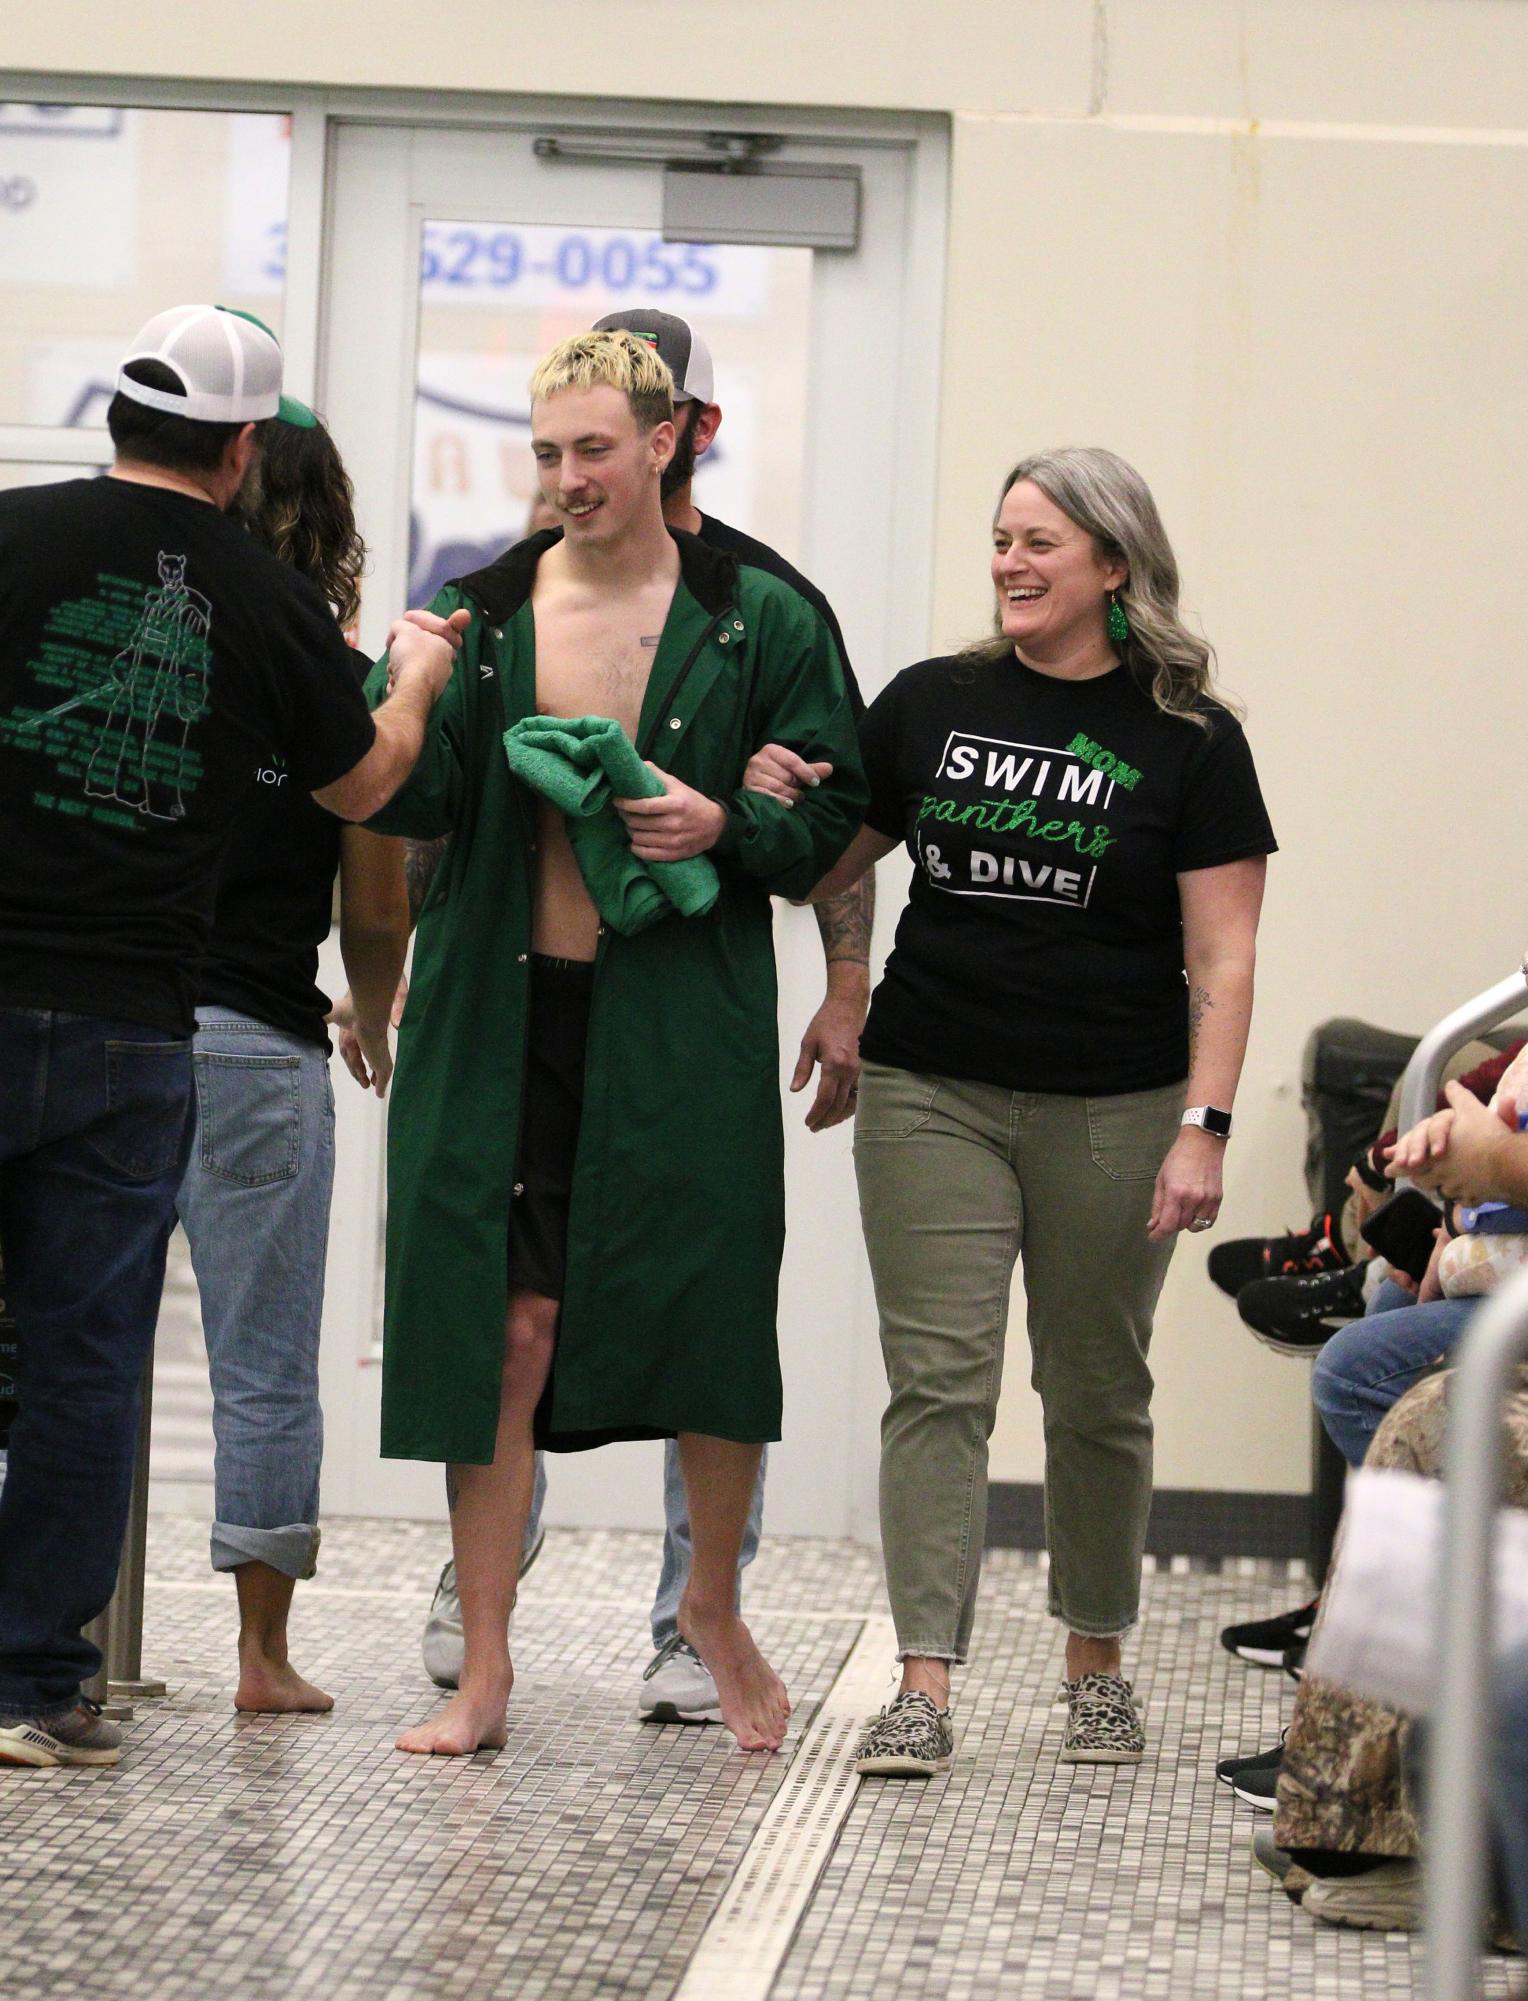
(1272, 251)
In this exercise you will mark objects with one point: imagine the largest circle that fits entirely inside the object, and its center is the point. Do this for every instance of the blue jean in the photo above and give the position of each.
(1371, 1363)
(93, 1134)
(255, 1207)
(1509, 1786)
(675, 1573)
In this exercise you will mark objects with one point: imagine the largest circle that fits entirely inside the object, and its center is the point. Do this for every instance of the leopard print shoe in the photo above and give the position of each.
(909, 1740)
(1103, 1725)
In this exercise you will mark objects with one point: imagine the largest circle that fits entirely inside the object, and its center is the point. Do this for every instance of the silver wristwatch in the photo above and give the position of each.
(1210, 1117)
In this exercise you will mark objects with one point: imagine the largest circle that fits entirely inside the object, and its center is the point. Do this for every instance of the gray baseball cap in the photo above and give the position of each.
(677, 343)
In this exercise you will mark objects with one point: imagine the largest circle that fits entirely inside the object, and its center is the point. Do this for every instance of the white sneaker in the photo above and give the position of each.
(677, 1687)
(441, 1644)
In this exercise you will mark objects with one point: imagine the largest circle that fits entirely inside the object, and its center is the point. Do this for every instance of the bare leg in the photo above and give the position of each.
(268, 1683)
(718, 1479)
(489, 1509)
(924, 1674)
(1085, 1655)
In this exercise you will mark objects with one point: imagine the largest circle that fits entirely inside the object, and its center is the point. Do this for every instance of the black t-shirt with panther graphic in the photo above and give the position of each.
(151, 659)
(1042, 945)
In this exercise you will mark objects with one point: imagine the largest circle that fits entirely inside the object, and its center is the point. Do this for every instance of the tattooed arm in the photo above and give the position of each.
(831, 1042)
(1220, 913)
(421, 860)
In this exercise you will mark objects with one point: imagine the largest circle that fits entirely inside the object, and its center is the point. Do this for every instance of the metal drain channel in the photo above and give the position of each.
(750, 1932)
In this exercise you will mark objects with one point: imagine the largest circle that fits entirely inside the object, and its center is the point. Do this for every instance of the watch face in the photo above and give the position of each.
(1217, 1122)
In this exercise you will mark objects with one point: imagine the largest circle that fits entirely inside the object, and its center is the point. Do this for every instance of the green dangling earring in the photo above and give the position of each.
(1119, 625)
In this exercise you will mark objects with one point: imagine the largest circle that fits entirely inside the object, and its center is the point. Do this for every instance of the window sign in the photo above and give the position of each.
(68, 199)
(107, 216)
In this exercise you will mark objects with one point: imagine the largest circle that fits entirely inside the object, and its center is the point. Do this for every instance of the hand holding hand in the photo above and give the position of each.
(1472, 1163)
(674, 826)
(1189, 1185)
(780, 774)
(422, 643)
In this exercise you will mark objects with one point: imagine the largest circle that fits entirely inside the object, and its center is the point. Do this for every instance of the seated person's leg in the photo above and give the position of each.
(1366, 1367)
(1510, 1787)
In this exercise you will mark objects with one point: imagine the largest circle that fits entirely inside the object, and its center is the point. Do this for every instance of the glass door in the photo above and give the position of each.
(455, 258)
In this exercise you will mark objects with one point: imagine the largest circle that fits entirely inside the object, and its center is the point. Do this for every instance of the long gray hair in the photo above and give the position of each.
(1110, 501)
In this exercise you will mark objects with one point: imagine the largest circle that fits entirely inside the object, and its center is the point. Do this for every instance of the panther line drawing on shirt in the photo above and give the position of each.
(155, 687)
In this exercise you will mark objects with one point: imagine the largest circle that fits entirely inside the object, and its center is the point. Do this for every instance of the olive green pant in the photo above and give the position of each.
(957, 1181)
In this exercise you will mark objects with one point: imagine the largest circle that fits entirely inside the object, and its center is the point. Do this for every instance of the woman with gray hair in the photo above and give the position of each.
(1049, 1064)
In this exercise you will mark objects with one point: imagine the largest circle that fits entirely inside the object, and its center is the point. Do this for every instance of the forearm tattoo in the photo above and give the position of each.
(1199, 1001)
(845, 922)
(421, 859)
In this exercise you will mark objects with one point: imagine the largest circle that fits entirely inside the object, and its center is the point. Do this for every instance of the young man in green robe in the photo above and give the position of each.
(586, 1202)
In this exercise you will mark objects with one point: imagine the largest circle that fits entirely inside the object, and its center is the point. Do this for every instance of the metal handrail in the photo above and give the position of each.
(1420, 1079)
(1474, 1459)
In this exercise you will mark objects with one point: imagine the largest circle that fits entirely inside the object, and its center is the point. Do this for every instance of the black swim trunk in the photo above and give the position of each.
(556, 1037)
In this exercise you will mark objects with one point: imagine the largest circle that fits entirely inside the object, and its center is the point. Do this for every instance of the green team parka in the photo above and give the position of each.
(678, 1210)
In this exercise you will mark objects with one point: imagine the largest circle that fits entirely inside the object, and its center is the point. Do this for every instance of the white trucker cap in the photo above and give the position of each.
(229, 363)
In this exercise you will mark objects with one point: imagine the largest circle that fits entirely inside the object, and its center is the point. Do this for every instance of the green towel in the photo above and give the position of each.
(583, 766)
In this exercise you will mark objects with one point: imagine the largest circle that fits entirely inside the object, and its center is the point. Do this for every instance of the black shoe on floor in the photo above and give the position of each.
(1264, 1642)
(1296, 1254)
(1229, 1770)
(1258, 1785)
(1296, 1316)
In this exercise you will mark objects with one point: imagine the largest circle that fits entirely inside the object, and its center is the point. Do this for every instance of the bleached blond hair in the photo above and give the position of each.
(615, 359)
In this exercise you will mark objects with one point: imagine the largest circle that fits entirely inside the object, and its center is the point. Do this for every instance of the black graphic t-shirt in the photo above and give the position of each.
(151, 658)
(1042, 947)
(274, 899)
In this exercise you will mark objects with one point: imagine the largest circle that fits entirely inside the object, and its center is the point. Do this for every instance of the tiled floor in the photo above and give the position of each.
(304, 1858)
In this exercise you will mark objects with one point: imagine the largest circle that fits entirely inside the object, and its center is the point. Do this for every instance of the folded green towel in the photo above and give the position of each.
(583, 766)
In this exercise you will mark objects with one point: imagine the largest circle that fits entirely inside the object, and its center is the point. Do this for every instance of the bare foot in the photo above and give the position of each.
(275, 1688)
(473, 1720)
(754, 1704)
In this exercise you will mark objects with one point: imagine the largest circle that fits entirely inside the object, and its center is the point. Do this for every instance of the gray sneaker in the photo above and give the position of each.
(1103, 1725)
(677, 1687)
(441, 1643)
(81, 1736)
(910, 1739)
(1387, 1898)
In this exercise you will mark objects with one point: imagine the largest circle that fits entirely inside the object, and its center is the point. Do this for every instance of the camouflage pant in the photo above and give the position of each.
(1341, 1783)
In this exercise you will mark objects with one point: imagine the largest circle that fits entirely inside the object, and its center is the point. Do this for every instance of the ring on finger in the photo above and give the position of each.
(1201, 1223)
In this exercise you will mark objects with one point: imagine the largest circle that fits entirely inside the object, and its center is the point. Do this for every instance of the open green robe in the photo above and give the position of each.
(678, 1211)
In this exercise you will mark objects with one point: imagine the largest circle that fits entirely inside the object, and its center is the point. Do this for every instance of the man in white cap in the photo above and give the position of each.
(676, 1686)
(150, 654)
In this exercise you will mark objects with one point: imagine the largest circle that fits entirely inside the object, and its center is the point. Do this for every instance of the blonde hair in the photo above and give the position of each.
(1108, 499)
(614, 359)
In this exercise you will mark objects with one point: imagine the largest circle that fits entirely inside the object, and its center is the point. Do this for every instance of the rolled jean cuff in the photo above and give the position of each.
(1091, 1629)
(37, 1712)
(292, 1550)
(950, 1655)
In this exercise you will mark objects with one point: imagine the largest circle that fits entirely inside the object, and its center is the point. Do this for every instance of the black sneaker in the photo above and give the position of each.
(1265, 1642)
(1296, 1254)
(1296, 1316)
(1228, 1770)
(1258, 1786)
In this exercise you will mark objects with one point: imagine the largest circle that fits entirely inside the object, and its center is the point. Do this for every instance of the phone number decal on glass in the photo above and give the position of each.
(461, 257)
